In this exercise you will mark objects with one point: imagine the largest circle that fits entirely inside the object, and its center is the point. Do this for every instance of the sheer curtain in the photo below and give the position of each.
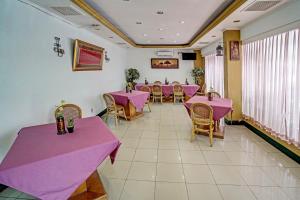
(271, 84)
(214, 73)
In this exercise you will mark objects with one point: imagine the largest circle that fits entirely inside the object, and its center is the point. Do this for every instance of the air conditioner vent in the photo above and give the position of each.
(66, 11)
(121, 43)
(203, 42)
(261, 5)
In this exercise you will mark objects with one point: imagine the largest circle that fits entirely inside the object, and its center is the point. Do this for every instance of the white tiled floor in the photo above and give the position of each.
(157, 162)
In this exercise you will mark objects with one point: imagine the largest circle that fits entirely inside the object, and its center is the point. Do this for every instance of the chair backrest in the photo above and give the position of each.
(109, 101)
(177, 89)
(201, 111)
(70, 111)
(175, 82)
(157, 90)
(145, 89)
(215, 94)
(157, 82)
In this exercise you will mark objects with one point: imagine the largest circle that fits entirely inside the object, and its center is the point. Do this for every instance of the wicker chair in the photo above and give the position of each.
(178, 93)
(214, 94)
(201, 91)
(113, 109)
(147, 89)
(175, 82)
(70, 111)
(157, 93)
(157, 83)
(202, 118)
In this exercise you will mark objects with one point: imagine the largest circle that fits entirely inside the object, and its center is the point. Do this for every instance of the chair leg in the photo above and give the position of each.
(193, 134)
(123, 110)
(116, 119)
(149, 107)
(211, 136)
(231, 116)
(106, 117)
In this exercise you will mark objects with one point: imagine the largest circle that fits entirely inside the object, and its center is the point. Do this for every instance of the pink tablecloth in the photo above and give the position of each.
(51, 166)
(189, 90)
(137, 98)
(220, 106)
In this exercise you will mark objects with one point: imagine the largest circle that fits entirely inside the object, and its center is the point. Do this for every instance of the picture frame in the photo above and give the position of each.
(234, 50)
(87, 57)
(164, 63)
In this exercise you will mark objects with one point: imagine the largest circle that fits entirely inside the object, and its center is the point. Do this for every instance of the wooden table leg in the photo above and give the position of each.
(218, 130)
(131, 112)
(92, 188)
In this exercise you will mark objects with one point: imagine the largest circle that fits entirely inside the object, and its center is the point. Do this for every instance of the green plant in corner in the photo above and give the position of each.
(197, 73)
(132, 75)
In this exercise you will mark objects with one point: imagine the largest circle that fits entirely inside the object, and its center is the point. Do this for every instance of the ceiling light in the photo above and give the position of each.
(177, 34)
(161, 29)
(160, 12)
(175, 41)
(138, 22)
(145, 35)
(181, 22)
(236, 21)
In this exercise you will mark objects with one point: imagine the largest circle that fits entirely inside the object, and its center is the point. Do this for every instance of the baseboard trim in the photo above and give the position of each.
(274, 143)
(2, 187)
(102, 113)
(234, 122)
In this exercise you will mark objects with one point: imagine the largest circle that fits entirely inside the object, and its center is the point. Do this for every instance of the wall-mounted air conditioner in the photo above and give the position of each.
(165, 53)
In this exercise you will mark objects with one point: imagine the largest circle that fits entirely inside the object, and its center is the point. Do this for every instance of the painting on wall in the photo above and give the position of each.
(87, 57)
(164, 63)
(234, 50)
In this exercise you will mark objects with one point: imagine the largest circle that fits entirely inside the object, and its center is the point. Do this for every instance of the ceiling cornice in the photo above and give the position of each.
(217, 20)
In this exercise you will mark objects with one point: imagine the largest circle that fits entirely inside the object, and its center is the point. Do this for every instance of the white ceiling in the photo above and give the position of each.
(125, 14)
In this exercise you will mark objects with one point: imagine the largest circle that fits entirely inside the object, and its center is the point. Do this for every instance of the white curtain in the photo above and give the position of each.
(271, 84)
(214, 73)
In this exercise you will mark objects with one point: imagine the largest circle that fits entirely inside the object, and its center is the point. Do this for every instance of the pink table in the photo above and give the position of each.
(189, 90)
(50, 166)
(133, 103)
(220, 106)
(137, 98)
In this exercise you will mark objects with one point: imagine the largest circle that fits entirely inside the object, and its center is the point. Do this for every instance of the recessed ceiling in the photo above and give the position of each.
(168, 23)
(159, 18)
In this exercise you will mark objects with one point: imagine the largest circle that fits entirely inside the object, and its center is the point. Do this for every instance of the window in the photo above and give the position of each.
(214, 73)
(271, 84)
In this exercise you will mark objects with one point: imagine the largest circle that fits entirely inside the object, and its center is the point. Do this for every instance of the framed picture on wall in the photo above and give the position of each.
(164, 63)
(234, 50)
(87, 57)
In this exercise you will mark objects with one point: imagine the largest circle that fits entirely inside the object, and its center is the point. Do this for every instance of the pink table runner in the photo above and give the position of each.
(137, 98)
(189, 90)
(220, 106)
(50, 166)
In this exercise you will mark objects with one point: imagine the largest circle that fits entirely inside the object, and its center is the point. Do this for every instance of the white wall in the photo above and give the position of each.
(33, 79)
(287, 14)
(141, 59)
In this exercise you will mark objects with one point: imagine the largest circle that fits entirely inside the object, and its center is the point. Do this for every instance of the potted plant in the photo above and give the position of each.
(70, 126)
(197, 73)
(132, 75)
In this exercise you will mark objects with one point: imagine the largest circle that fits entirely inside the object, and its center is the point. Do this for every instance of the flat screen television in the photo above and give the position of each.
(188, 56)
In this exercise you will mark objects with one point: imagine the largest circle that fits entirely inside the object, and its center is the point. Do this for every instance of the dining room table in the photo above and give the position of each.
(167, 89)
(133, 102)
(221, 107)
(51, 167)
